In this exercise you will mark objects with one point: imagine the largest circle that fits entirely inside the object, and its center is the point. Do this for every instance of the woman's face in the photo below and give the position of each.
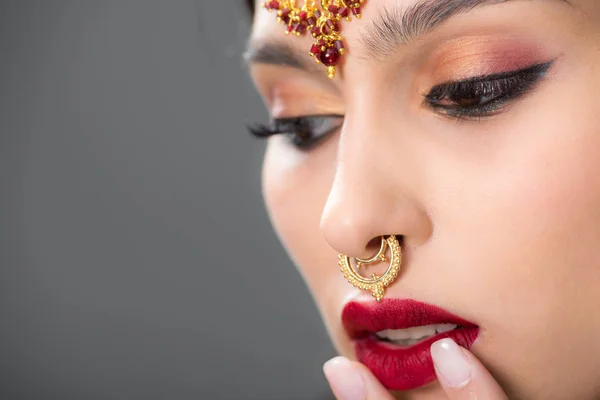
(476, 140)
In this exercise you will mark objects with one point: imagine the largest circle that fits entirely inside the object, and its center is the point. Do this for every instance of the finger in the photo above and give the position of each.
(461, 375)
(353, 381)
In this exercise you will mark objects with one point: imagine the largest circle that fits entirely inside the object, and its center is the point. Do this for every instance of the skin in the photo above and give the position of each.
(500, 215)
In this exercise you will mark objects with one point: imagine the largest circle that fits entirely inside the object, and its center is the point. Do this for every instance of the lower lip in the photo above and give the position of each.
(401, 368)
(406, 368)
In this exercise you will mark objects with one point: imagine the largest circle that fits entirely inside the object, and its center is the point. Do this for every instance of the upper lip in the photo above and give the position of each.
(361, 319)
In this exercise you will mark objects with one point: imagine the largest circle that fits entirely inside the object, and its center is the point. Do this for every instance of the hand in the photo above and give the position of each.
(460, 374)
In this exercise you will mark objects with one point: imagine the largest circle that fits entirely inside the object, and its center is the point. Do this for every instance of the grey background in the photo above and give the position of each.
(137, 261)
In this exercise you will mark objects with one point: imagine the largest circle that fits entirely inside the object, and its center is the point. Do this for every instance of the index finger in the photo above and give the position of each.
(461, 374)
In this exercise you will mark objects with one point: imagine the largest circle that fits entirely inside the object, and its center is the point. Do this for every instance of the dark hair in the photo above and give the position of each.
(250, 4)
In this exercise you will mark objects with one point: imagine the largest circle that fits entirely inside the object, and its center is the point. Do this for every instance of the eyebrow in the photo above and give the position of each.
(275, 53)
(393, 27)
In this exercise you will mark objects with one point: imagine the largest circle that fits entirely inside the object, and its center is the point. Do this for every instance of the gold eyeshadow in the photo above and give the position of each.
(474, 56)
(292, 100)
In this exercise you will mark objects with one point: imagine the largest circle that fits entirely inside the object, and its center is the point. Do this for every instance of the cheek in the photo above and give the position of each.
(547, 204)
(295, 186)
(292, 209)
(528, 242)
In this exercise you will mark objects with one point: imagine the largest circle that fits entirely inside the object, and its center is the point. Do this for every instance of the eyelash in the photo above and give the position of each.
(482, 96)
(486, 95)
(303, 132)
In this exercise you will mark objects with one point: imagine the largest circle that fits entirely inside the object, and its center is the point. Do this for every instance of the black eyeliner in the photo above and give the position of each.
(536, 69)
(500, 87)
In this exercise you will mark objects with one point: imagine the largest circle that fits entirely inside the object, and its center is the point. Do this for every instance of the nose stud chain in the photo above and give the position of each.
(375, 284)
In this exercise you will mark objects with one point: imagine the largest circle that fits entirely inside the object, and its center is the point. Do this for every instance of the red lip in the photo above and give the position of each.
(401, 368)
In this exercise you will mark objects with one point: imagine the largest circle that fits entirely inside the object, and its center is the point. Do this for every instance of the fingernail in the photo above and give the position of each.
(345, 380)
(450, 363)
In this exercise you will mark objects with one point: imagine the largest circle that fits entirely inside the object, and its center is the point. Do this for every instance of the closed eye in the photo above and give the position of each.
(486, 95)
(303, 132)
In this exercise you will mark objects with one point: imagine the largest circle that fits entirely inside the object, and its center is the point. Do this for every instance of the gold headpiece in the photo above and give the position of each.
(323, 23)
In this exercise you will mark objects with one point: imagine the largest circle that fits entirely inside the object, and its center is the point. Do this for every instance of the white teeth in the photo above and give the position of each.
(445, 327)
(410, 336)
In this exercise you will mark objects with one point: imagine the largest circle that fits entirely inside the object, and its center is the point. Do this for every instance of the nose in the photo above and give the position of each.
(376, 190)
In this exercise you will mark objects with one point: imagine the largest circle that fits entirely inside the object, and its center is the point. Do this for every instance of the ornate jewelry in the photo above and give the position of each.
(376, 284)
(323, 23)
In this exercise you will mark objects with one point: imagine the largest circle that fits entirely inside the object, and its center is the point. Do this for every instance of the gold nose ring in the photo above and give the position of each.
(375, 284)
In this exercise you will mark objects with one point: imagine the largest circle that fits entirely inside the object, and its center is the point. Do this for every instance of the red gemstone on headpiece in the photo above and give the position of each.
(333, 9)
(330, 26)
(316, 31)
(329, 57)
(312, 21)
(356, 10)
(303, 15)
(272, 5)
(300, 27)
(344, 12)
(339, 45)
(318, 14)
(315, 49)
(285, 15)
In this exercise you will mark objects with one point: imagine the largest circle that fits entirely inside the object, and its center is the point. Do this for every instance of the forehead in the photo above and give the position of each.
(383, 22)
(267, 29)
(386, 27)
